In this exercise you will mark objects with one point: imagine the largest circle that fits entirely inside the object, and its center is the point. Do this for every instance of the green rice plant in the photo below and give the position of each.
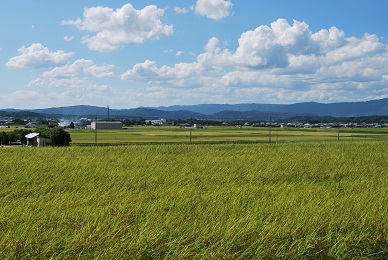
(298, 200)
(232, 134)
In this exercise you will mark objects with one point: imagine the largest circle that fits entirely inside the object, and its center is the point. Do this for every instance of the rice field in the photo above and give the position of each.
(174, 134)
(291, 200)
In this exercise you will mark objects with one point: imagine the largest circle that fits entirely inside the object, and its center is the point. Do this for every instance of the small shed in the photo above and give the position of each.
(36, 139)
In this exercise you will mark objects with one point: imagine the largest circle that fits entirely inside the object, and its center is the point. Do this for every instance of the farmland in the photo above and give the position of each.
(316, 199)
(150, 134)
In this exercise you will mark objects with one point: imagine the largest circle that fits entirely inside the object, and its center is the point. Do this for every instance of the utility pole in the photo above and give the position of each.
(270, 129)
(95, 131)
(191, 123)
(338, 131)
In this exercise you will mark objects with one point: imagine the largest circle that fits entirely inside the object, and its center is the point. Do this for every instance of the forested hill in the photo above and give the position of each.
(224, 111)
(344, 109)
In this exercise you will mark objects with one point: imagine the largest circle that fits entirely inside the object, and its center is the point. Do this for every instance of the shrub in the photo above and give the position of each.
(58, 136)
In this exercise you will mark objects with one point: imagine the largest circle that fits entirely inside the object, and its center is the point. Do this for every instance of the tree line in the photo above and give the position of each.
(57, 135)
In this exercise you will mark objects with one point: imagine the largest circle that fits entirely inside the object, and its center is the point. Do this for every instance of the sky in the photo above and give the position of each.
(135, 53)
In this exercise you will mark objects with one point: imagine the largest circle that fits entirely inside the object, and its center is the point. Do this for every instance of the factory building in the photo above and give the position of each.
(106, 125)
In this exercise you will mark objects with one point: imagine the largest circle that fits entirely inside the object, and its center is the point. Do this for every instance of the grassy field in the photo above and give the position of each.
(150, 134)
(301, 200)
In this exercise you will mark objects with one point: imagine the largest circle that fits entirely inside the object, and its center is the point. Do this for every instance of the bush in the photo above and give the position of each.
(58, 136)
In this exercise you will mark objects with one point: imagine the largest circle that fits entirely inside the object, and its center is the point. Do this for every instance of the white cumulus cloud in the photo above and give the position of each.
(213, 9)
(124, 26)
(80, 68)
(38, 55)
(282, 61)
(78, 75)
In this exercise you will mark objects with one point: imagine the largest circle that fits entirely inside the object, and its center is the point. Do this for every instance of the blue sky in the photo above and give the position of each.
(127, 54)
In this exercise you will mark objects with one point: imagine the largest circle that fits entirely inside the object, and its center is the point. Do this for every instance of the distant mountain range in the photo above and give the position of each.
(344, 109)
(218, 111)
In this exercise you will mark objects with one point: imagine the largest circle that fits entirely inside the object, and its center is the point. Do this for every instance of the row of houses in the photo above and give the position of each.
(90, 124)
(317, 125)
(117, 124)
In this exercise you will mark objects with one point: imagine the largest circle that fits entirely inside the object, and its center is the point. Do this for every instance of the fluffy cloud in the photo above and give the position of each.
(120, 27)
(38, 55)
(145, 70)
(68, 38)
(179, 53)
(181, 72)
(213, 9)
(80, 68)
(181, 10)
(285, 62)
(78, 75)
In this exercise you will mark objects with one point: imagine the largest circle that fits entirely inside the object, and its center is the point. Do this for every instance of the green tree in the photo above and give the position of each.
(18, 121)
(18, 134)
(58, 136)
(4, 140)
(71, 125)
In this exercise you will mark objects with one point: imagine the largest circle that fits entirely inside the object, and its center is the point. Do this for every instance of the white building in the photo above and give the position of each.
(106, 125)
(159, 122)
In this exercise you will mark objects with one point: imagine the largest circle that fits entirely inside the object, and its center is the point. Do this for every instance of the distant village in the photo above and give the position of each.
(89, 123)
(51, 131)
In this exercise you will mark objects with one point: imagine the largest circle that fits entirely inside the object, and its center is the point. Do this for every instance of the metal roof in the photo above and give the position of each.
(32, 135)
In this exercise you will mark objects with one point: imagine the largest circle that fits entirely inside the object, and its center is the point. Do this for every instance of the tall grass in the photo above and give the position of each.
(295, 200)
